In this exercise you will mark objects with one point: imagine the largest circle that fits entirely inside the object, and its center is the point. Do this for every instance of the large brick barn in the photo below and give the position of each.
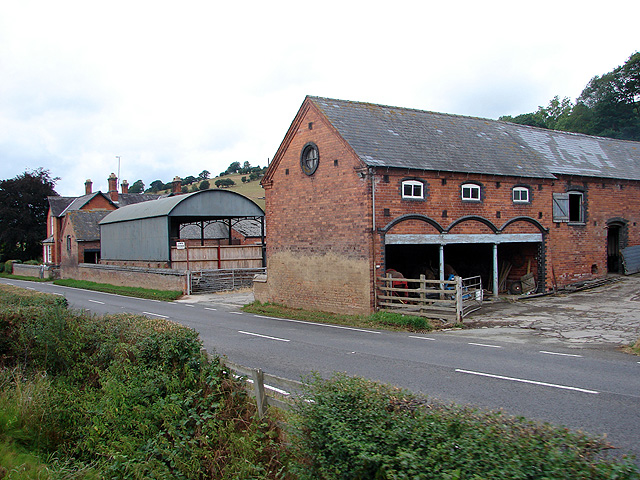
(356, 189)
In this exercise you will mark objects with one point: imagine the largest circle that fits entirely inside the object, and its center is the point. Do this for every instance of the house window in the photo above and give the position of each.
(69, 242)
(413, 189)
(47, 254)
(569, 207)
(471, 192)
(520, 195)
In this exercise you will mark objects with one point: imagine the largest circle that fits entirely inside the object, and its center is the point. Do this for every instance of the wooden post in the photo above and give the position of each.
(258, 387)
(423, 287)
(458, 299)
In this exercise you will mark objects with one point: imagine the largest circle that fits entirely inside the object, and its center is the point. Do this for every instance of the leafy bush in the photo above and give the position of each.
(400, 320)
(350, 428)
(124, 396)
(8, 265)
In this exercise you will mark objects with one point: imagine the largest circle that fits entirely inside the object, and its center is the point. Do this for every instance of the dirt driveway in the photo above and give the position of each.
(605, 315)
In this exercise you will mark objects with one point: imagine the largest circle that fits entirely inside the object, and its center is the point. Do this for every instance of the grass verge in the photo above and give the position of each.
(20, 277)
(164, 295)
(633, 349)
(378, 320)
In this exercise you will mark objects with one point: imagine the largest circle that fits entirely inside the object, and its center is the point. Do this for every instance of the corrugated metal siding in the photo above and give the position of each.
(631, 259)
(144, 239)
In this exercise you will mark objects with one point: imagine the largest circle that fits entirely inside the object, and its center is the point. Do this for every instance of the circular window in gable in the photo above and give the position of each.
(309, 158)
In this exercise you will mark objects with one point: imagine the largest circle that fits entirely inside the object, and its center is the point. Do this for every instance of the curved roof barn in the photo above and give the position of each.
(145, 231)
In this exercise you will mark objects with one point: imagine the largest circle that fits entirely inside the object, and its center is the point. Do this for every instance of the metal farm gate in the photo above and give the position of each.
(221, 280)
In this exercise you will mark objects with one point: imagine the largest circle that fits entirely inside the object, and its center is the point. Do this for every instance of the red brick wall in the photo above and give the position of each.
(322, 255)
(575, 251)
(318, 227)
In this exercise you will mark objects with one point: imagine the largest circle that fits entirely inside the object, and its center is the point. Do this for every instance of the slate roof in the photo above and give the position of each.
(59, 204)
(85, 223)
(131, 198)
(384, 136)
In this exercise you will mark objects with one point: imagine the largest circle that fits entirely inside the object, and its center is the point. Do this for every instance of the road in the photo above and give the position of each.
(594, 390)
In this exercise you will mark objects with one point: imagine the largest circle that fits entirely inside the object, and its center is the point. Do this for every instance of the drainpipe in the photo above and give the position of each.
(373, 236)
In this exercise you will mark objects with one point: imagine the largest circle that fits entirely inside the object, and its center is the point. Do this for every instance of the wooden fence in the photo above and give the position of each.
(268, 390)
(211, 257)
(448, 300)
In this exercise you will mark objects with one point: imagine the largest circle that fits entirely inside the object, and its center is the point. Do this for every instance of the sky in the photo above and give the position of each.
(175, 88)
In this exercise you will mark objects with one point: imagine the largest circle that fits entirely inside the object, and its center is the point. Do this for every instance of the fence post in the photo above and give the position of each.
(258, 387)
(458, 299)
(423, 287)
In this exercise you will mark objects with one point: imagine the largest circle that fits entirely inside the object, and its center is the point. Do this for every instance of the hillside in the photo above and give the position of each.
(251, 190)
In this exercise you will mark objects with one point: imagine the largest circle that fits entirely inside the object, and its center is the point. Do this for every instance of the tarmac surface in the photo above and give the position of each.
(607, 315)
(603, 316)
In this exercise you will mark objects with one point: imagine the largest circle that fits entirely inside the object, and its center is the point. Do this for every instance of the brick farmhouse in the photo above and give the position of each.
(356, 189)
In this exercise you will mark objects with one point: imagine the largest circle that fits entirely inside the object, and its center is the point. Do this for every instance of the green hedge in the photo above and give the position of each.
(350, 428)
(123, 396)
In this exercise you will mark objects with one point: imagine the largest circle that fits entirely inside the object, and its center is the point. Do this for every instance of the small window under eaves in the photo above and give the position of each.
(412, 189)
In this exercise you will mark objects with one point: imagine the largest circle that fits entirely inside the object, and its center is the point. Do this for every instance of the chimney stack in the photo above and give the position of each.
(113, 187)
(125, 186)
(177, 185)
(87, 187)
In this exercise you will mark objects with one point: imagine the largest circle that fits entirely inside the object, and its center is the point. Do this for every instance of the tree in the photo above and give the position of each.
(137, 187)
(609, 106)
(204, 174)
(189, 180)
(225, 182)
(233, 167)
(204, 185)
(23, 214)
(155, 186)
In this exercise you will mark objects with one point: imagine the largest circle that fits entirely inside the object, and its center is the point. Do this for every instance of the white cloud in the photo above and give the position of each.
(176, 88)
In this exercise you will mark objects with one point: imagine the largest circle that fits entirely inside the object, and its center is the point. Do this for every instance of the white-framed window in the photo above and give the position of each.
(413, 189)
(520, 195)
(470, 192)
(47, 254)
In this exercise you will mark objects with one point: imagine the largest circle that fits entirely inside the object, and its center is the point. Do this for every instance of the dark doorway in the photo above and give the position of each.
(91, 256)
(613, 249)
(413, 260)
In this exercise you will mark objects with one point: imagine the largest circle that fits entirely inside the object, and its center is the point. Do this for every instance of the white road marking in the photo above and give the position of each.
(560, 354)
(264, 336)
(96, 301)
(237, 313)
(192, 306)
(421, 338)
(522, 380)
(484, 345)
(155, 314)
(212, 309)
(328, 325)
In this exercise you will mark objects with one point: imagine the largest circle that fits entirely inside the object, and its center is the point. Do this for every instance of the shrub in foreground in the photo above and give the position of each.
(350, 428)
(123, 396)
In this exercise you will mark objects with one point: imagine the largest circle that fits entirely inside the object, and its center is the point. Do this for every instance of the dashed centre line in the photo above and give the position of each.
(96, 301)
(522, 380)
